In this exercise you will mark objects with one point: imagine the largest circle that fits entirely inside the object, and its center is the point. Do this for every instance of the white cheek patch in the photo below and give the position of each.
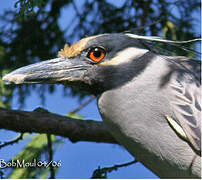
(125, 56)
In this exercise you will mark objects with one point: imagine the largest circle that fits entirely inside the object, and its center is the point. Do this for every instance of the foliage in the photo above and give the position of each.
(26, 7)
(31, 153)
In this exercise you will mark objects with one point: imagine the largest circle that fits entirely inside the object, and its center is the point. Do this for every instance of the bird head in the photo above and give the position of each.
(93, 64)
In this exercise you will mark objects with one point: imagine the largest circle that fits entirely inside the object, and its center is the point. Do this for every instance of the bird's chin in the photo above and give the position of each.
(80, 86)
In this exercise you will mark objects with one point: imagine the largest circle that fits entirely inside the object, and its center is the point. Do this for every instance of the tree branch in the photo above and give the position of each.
(50, 153)
(16, 140)
(81, 106)
(102, 172)
(42, 121)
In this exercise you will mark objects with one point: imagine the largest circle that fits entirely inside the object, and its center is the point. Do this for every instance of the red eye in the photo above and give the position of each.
(96, 54)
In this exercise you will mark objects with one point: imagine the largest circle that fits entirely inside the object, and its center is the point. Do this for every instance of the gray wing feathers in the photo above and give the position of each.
(187, 108)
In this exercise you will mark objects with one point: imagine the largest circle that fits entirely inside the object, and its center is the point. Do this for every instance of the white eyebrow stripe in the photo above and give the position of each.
(125, 56)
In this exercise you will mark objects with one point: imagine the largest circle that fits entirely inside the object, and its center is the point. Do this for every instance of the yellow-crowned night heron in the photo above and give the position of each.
(149, 102)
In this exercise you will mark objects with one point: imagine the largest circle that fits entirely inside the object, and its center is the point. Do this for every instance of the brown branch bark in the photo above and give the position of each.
(42, 121)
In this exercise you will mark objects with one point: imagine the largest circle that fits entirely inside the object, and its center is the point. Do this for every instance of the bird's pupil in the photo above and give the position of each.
(97, 52)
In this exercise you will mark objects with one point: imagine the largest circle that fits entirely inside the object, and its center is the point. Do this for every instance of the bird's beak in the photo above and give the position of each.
(57, 70)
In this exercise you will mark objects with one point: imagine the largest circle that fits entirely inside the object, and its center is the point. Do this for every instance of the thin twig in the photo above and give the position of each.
(98, 173)
(50, 152)
(82, 105)
(137, 29)
(20, 137)
(1, 175)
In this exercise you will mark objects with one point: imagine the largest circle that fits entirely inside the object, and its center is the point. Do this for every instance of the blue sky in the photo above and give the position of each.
(79, 159)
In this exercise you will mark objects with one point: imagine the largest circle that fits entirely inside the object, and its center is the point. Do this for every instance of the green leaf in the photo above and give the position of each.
(75, 116)
(169, 31)
(31, 154)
